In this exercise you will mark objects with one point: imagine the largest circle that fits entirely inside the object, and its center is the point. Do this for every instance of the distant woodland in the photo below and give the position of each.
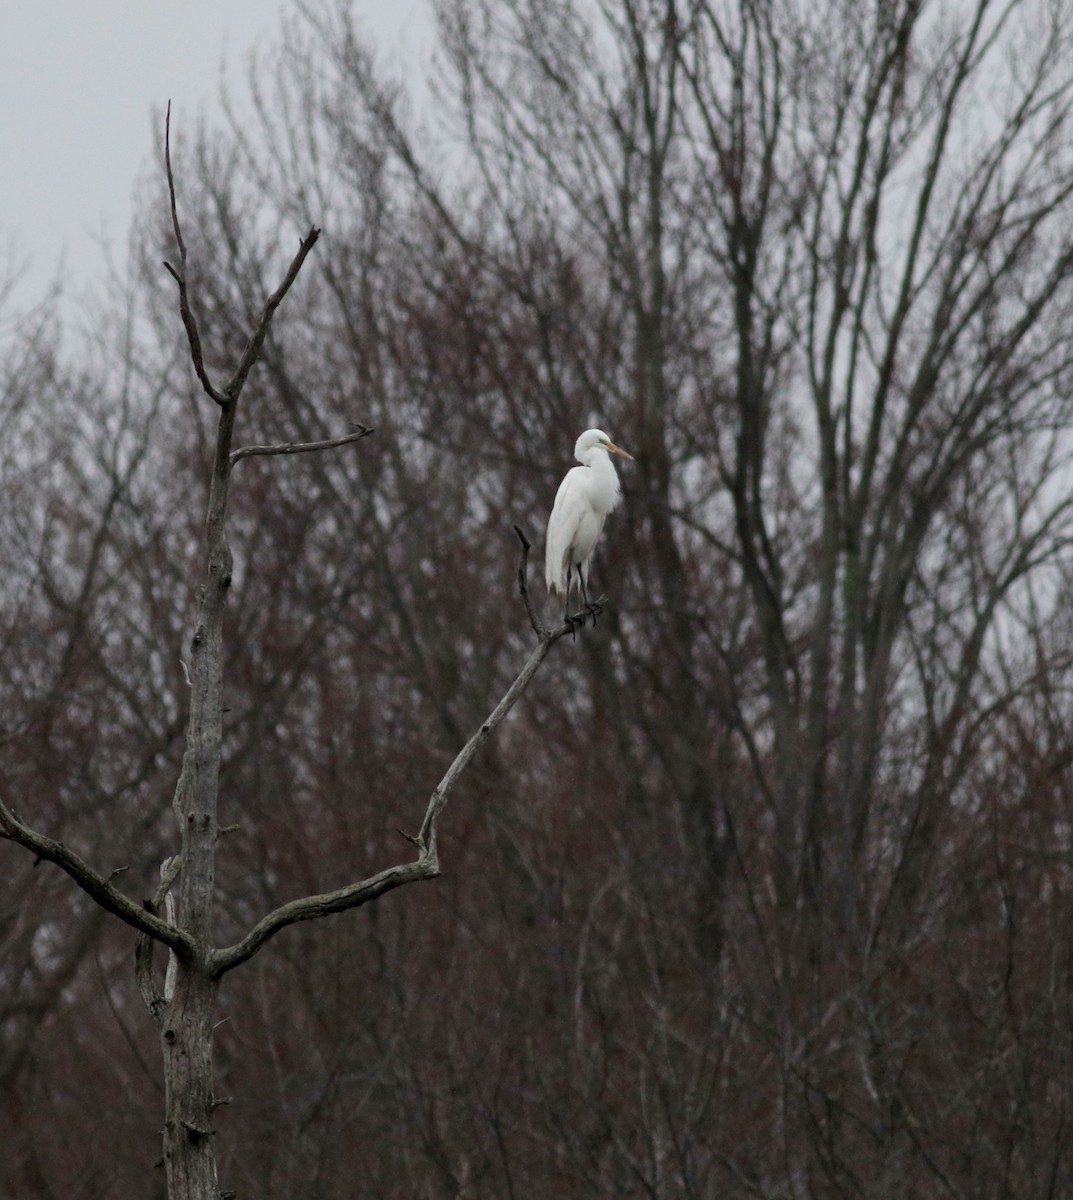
(765, 887)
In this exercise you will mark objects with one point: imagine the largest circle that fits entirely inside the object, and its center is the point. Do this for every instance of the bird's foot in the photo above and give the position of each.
(575, 621)
(594, 610)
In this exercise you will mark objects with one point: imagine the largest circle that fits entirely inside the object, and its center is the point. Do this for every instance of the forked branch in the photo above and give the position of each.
(426, 865)
(230, 393)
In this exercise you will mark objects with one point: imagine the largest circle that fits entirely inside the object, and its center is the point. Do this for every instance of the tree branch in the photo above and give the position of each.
(426, 839)
(187, 313)
(152, 997)
(523, 584)
(300, 447)
(94, 885)
(310, 907)
(426, 865)
(253, 346)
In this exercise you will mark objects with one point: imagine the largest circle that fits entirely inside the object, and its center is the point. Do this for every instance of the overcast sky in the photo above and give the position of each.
(79, 81)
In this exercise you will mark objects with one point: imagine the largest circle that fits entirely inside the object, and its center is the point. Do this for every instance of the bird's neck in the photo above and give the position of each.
(605, 489)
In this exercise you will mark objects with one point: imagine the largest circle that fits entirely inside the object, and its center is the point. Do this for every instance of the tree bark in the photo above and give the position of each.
(187, 1046)
(186, 1037)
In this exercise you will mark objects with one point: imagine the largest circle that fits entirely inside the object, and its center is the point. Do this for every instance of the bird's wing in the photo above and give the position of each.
(563, 524)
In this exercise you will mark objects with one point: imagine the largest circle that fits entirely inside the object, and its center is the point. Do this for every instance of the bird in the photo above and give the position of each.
(585, 497)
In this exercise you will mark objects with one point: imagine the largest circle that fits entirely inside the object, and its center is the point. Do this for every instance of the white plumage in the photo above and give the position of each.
(585, 497)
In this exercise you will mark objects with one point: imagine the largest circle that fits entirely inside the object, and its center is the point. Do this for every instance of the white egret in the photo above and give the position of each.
(585, 497)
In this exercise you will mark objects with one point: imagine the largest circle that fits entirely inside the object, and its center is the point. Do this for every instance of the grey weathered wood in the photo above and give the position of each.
(186, 1009)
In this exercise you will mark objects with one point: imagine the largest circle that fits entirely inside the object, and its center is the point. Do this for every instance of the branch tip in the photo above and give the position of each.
(523, 585)
(414, 841)
(361, 431)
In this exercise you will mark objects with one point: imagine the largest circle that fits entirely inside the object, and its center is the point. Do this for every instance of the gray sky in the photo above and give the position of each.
(78, 83)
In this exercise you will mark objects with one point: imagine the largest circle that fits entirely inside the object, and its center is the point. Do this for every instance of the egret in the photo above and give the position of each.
(585, 497)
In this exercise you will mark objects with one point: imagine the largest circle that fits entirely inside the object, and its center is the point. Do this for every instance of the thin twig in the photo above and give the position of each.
(253, 346)
(299, 447)
(185, 311)
(523, 585)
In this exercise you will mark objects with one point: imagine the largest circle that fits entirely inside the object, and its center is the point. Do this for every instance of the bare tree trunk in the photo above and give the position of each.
(187, 1044)
(187, 1017)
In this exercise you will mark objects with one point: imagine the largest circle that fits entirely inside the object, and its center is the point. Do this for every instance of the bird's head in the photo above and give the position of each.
(593, 439)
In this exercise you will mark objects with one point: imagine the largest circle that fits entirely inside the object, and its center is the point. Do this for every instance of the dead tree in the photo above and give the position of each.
(180, 916)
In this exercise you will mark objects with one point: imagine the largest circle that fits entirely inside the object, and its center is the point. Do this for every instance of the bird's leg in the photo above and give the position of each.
(567, 618)
(584, 590)
(594, 610)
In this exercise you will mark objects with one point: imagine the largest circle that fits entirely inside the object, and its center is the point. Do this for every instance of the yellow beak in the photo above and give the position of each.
(613, 449)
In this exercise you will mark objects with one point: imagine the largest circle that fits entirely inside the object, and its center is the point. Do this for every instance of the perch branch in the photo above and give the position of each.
(426, 865)
(426, 838)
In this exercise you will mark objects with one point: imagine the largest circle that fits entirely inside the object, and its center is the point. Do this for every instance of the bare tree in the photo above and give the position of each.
(185, 1005)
